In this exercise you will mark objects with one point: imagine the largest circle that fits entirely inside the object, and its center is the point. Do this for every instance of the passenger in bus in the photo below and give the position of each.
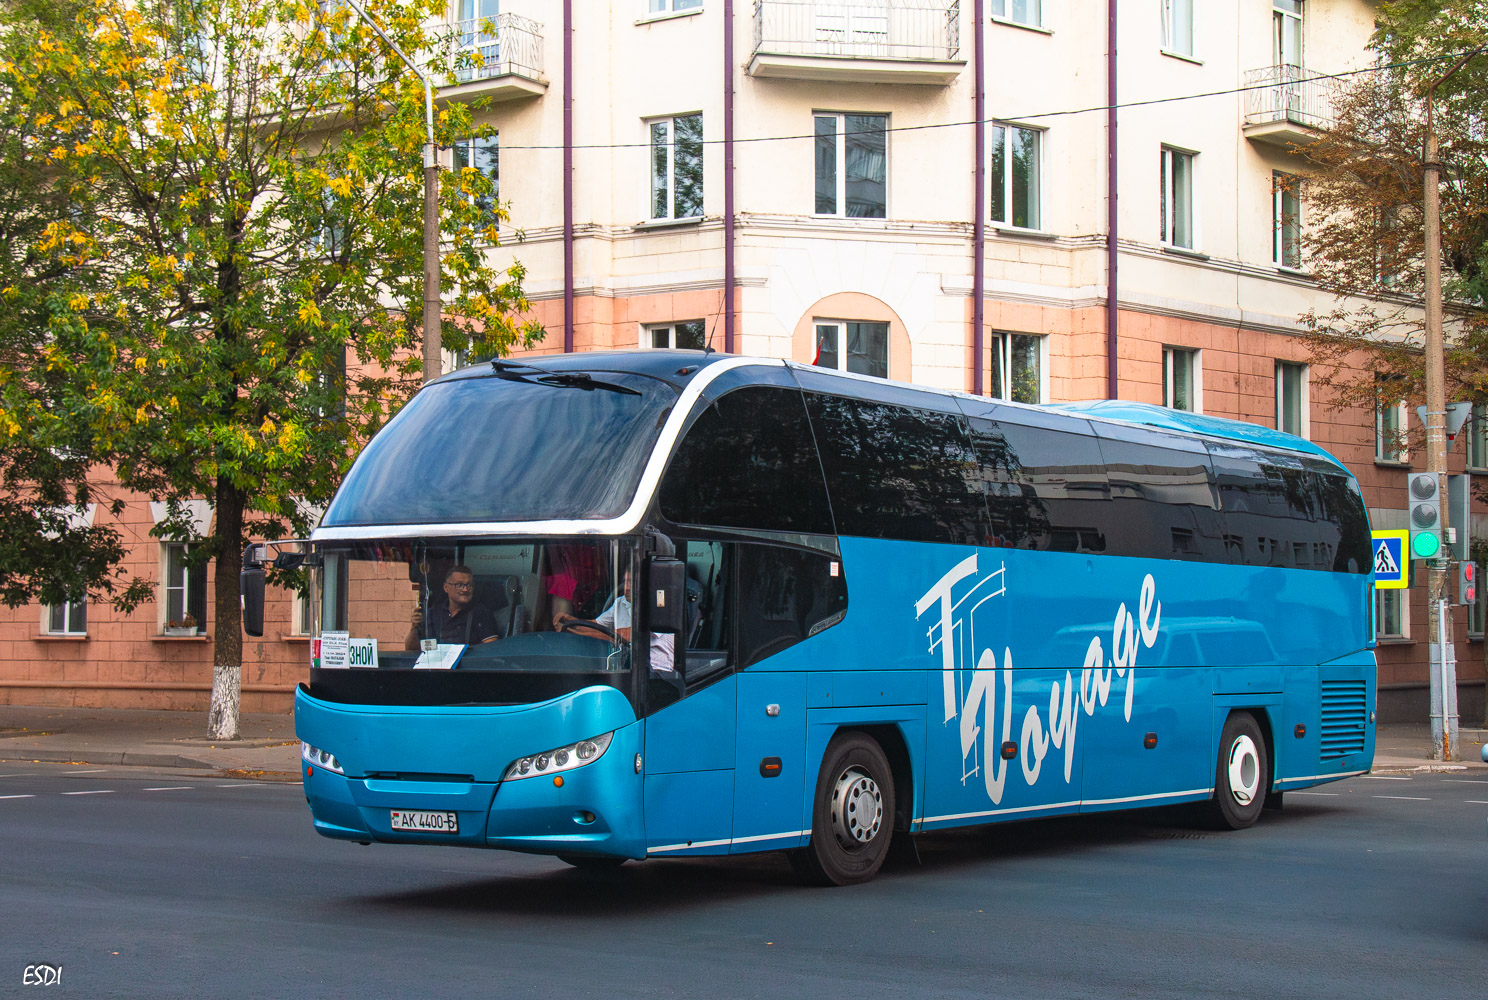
(617, 617)
(573, 577)
(455, 618)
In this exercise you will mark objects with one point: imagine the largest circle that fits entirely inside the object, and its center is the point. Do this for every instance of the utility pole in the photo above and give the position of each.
(433, 305)
(1443, 668)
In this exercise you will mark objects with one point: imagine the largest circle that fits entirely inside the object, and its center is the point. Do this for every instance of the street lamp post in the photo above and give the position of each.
(433, 328)
(1443, 667)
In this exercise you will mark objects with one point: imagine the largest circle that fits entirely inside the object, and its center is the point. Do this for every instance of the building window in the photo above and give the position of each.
(1286, 32)
(1286, 220)
(671, 6)
(691, 335)
(853, 347)
(852, 175)
(1017, 367)
(1029, 12)
(185, 587)
(1016, 172)
(1390, 618)
(1181, 379)
(1389, 423)
(481, 155)
(302, 619)
(1178, 27)
(677, 167)
(1291, 398)
(1177, 198)
(1477, 438)
(67, 619)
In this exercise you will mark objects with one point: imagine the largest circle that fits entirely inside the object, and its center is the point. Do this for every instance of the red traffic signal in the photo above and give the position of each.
(1467, 582)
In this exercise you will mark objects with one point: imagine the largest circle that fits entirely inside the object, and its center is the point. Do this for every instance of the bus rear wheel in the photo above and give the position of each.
(1240, 774)
(852, 818)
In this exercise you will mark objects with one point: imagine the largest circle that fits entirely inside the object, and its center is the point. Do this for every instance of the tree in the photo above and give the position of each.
(47, 455)
(238, 197)
(1365, 189)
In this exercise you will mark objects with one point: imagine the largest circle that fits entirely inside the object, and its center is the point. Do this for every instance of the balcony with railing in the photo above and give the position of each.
(871, 41)
(1286, 105)
(503, 64)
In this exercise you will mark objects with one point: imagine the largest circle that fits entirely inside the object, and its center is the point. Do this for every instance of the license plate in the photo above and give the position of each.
(426, 822)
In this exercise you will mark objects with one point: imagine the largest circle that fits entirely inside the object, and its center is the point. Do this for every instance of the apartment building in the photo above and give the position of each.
(935, 191)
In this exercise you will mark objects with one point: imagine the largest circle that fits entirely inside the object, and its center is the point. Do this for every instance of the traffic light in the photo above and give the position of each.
(1467, 582)
(1425, 515)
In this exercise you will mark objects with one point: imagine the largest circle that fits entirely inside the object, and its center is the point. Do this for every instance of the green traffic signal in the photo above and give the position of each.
(1425, 544)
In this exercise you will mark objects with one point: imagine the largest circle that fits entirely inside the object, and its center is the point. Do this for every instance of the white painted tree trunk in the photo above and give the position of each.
(227, 692)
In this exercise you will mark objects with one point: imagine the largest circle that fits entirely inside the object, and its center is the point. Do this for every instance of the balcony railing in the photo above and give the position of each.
(1288, 94)
(513, 49)
(913, 31)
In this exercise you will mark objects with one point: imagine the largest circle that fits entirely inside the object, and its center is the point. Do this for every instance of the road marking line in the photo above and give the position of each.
(1384, 777)
(1477, 802)
(170, 788)
(1465, 781)
(98, 770)
(25, 774)
(17, 796)
(1403, 798)
(96, 791)
(1329, 794)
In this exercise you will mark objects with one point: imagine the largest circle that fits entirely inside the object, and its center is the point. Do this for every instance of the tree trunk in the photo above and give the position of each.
(227, 620)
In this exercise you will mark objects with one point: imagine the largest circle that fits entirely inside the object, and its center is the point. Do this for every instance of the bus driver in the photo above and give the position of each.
(618, 617)
(457, 618)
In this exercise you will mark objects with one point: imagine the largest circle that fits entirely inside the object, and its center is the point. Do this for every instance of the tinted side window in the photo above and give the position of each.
(898, 472)
(748, 461)
(1343, 505)
(785, 596)
(1163, 497)
(1045, 485)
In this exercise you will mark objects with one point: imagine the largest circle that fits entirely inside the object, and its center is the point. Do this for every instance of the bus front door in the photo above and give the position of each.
(688, 764)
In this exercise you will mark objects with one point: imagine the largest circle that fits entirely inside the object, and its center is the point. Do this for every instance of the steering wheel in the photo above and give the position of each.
(609, 633)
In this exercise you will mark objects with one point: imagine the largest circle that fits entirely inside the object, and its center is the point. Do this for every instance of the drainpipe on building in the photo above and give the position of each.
(568, 227)
(728, 176)
(979, 199)
(1112, 298)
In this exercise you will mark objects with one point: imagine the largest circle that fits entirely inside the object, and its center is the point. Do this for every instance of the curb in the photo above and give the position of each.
(109, 757)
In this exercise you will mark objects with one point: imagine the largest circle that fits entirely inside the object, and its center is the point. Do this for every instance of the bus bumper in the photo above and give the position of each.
(421, 760)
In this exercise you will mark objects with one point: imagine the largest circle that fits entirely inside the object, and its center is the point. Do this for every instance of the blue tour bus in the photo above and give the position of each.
(862, 609)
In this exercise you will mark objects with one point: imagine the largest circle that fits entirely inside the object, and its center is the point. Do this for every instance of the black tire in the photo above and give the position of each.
(589, 863)
(1241, 774)
(852, 817)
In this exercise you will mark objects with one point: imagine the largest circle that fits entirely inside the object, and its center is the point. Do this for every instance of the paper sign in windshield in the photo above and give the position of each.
(333, 650)
(441, 657)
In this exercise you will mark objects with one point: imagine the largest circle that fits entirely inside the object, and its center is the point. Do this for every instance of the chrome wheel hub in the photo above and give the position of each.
(1244, 770)
(857, 808)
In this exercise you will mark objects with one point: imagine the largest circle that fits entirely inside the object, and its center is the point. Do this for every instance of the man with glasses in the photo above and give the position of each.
(455, 618)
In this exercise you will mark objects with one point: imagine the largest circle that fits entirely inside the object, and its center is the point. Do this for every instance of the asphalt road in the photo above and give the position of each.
(138, 885)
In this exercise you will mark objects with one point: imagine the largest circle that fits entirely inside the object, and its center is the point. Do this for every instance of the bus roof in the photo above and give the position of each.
(677, 366)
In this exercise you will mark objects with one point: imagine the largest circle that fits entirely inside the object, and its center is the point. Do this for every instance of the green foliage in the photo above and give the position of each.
(1366, 240)
(212, 219)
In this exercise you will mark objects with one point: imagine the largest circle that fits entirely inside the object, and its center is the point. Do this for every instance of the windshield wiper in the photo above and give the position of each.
(579, 380)
(516, 371)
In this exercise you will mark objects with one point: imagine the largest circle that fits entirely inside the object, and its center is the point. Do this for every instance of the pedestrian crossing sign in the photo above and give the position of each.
(1391, 567)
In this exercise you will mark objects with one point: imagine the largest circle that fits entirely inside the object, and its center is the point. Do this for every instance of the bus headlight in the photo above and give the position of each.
(319, 758)
(562, 759)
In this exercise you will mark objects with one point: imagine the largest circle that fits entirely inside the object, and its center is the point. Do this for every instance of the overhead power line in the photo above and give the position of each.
(1243, 88)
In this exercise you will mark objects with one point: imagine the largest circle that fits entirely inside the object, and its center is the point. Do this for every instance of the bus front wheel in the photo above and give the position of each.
(1240, 774)
(852, 818)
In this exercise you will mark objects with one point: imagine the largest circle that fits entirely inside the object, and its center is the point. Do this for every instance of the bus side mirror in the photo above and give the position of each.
(251, 585)
(666, 594)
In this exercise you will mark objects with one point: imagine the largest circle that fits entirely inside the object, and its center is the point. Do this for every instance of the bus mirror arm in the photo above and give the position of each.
(666, 594)
(251, 585)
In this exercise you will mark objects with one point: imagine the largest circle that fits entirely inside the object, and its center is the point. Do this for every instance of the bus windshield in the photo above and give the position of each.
(452, 621)
(523, 446)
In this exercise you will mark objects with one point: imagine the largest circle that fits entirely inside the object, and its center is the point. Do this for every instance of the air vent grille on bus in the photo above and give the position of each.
(1345, 715)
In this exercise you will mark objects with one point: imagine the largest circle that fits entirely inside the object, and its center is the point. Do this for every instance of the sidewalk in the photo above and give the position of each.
(267, 749)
